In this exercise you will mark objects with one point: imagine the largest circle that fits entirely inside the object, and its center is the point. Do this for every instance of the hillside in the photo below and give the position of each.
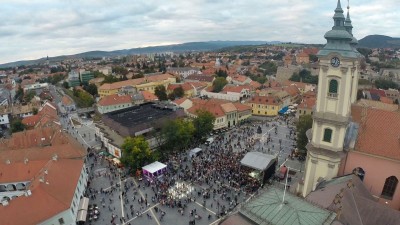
(184, 47)
(379, 41)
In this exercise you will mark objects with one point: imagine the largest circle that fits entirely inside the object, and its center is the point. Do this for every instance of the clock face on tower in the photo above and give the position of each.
(335, 62)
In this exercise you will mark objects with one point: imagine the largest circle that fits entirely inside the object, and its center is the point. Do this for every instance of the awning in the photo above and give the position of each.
(83, 203)
(258, 160)
(283, 110)
(81, 217)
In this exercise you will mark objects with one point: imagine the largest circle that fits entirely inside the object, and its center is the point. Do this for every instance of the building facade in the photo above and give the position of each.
(337, 90)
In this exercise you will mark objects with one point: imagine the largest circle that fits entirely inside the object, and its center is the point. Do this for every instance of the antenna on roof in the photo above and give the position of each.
(8, 162)
(26, 160)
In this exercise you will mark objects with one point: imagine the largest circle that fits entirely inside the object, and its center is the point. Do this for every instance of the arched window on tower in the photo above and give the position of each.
(327, 135)
(333, 88)
(389, 187)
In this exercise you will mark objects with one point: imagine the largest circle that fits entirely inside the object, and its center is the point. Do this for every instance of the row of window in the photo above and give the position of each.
(262, 106)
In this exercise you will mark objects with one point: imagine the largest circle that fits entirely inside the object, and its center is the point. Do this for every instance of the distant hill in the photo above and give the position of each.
(379, 41)
(185, 47)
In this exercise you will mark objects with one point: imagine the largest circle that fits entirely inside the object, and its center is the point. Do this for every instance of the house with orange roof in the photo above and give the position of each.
(148, 96)
(306, 107)
(114, 102)
(302, 58)
(303, 87)
(184, 103)
(188, 89)
(255, 85)
(147, 83)
(227, 114)
(238, 79)
(67, 103)
(294, 93)
(264, 105)
(35, 175)
(31, 121)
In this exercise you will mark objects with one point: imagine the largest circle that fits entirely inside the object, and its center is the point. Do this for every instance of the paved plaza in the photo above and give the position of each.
(200, 190)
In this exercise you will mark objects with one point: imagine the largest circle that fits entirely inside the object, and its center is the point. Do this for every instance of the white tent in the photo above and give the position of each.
(154, 167)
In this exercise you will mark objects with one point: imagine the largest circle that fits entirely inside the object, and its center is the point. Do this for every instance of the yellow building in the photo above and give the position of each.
(147, 83)
(265, 105)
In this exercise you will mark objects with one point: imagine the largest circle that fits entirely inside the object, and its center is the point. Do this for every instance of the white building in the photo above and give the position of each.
(114, 102)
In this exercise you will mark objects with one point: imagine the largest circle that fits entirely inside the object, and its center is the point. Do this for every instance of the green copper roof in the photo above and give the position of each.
(340, 38)
(267, 209)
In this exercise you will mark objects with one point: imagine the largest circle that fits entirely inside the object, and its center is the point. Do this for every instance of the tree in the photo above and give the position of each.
(304, 124)
(179, 92)
(28, 96)
(98, 74)
(136, 153)
(218, 84)
(221, 73)
(65, 85)
(177, 134)
(313, 58)
(109, 79)
(360, 94)
(19, 94)
(35, 111)
(386, 84)
(17, 125)
(91, 89)
(203, 124)
(161, 93)
(396, 101)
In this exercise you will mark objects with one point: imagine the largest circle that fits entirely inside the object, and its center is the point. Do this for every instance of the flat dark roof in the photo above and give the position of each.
(129, 121)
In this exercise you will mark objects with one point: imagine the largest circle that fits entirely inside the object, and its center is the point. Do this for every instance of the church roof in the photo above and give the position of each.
(379, 132)
(339, 39)
(267, 208)
(348, 196)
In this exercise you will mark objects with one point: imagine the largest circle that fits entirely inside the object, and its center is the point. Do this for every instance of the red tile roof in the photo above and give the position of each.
(308, 103)
(266, 100)
(179, 101)
(49, 198)
(379, 132)
(148, 96)
(115, 99)
(31, 121)
(241, 107)
(235, 88)
(292, 90)
(66, 100)
(185, 87)
(211, 105)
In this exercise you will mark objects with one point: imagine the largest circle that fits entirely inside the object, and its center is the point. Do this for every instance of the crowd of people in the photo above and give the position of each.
(213, 179)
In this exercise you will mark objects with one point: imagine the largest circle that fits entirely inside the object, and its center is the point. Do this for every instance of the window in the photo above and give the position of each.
(61, 221)
(333, 88)
(327, 135)
(389, 187)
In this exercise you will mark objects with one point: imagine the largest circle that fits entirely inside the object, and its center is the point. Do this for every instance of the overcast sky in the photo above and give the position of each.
(31, 29)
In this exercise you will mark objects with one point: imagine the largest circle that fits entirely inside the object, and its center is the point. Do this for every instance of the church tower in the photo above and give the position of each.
(337, 90)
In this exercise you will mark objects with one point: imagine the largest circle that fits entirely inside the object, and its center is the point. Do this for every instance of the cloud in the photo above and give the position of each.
(36, 28)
